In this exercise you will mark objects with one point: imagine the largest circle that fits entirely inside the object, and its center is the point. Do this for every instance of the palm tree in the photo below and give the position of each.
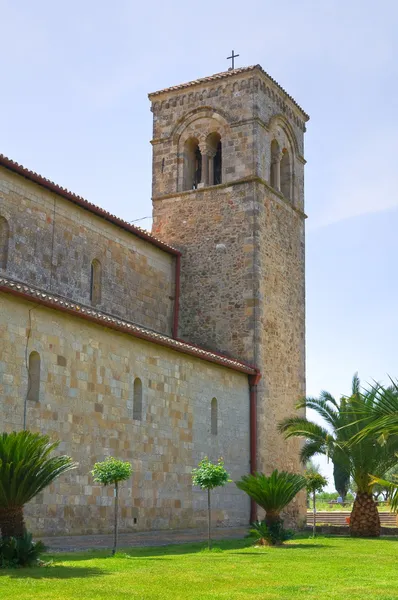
(358, 460)
(381, 418)
(272, 493)
(25, 470)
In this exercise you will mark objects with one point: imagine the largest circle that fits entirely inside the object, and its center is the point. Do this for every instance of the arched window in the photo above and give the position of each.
(286, 175)
(275, 177)
(95, 282)
(214, 146)
(137, 399)
(34, 377)
(192, 164)
(214, 417)
(4, 237)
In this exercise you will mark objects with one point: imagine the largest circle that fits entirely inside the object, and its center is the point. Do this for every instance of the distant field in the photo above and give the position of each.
(325, 506)
(330, 568)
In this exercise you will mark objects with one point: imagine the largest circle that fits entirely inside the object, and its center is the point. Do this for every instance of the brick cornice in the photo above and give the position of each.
(53, 301)
(168, 97)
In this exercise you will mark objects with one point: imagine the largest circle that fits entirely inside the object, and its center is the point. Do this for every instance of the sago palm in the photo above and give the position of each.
(26, 468)
(272, 493)
(360, 460)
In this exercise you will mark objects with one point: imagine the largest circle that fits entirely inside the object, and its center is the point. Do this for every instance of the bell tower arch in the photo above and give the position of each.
(228, 191)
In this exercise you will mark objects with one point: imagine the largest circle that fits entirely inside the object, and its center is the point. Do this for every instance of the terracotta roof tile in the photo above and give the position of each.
(224, 75)
(40, 296)
(57, 189)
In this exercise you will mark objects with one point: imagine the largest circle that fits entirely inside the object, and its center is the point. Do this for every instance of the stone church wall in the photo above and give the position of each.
(53, 243)
(86, 399)
(213, 228)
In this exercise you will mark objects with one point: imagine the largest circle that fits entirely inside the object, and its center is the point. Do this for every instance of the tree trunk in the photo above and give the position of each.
(11, 522)
(272, 518)
(313, 515)
(209, 518)
(116, 513)
(364, 519)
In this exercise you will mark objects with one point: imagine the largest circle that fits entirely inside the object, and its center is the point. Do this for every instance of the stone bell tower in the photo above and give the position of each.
(228, 191)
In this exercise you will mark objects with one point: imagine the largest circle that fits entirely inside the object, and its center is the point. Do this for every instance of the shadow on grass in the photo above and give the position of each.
(52, 572)
(286, 547)
(165, 552)
(147, 551)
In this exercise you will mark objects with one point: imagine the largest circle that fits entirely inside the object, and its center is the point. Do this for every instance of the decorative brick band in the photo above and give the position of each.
(58, 303)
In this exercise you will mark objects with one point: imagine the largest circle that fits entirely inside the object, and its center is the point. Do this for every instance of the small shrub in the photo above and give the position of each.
(112, 471)
(270, 535)
(20, 551)
(208, 476)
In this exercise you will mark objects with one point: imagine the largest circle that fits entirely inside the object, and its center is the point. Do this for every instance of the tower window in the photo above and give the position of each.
(214, 156)
(4, 239)
(214, 417)
(137, 399)
(34, 377)
(218, 165)
(95, 282)
(286, 175)
(192, 164)
(275, 176)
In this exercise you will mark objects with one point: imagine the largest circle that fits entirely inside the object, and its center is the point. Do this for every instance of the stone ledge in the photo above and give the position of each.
(221, 186)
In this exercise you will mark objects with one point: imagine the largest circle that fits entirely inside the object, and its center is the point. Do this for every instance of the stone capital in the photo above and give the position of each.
(277, 157)
(204, 149)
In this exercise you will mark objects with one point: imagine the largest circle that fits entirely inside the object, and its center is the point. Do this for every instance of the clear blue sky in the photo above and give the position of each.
(74, 107)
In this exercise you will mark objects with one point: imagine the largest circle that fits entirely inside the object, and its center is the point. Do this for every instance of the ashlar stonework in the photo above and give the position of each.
(162, 348)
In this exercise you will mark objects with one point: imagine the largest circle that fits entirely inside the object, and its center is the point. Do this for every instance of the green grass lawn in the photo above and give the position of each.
(325, 568)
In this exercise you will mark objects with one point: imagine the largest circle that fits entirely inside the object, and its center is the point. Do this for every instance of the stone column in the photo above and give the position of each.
(205, 163)
(276, 170)
(211, 154)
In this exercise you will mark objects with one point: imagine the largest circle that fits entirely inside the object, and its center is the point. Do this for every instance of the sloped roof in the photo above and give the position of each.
(50, 300)
(97, 210)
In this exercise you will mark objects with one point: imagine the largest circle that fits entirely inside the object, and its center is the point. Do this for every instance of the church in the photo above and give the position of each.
(161, 348)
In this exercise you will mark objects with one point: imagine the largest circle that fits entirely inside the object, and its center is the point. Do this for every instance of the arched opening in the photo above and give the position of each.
(4, 239)
(192, 164)
(275, 165)
(137, 399)
(34, 377)
(95, 282)
(215, 158)
(214, 417)
(286, 175)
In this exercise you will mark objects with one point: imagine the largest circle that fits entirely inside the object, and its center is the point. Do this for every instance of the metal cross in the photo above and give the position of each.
(233, 56)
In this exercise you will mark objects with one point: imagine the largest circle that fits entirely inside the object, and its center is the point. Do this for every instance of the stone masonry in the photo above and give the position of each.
(243, 240)
(87, 375)
(52, 243)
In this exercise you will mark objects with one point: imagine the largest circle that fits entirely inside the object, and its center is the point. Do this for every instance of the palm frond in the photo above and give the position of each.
(272, 493)
(26, 467)
(389, 485)
(302, 427)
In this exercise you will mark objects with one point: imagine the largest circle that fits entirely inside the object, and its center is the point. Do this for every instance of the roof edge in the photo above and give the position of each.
(15, 167)
(49, 300)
